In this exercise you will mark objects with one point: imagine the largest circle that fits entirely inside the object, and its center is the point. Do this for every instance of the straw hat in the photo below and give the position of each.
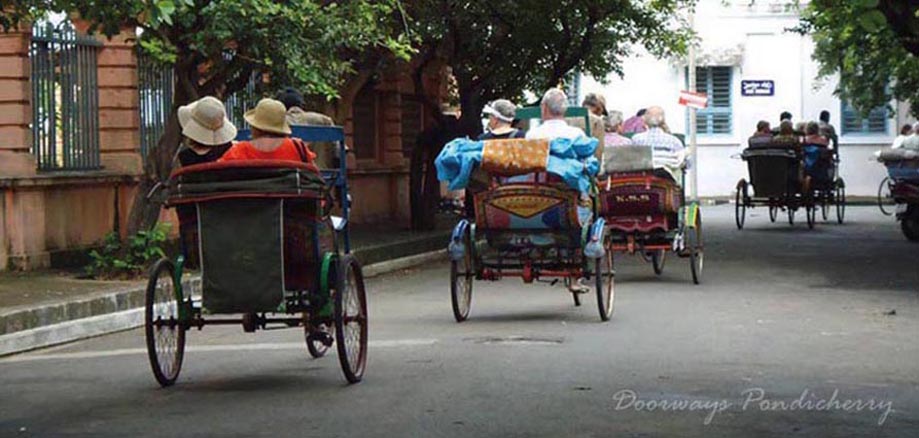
(205, 121)
(269, 116)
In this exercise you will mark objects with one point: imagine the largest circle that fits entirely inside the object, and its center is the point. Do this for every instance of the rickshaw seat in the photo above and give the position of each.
(259, 230)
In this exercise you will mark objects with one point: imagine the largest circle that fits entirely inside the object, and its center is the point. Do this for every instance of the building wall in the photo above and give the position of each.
(753, 41)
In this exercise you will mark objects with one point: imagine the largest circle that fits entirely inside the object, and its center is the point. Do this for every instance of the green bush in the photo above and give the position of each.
(130, 257)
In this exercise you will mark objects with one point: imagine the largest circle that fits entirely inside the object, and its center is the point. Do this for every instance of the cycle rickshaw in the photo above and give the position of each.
(532, 226)
(646, 210)
(269, 253)
(903, 173)
(775, 176)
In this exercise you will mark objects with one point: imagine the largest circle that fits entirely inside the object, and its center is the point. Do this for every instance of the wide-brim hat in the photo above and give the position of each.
(269, 116)
(205, 121)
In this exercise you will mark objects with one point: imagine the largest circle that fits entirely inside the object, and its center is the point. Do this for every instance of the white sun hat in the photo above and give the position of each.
(205, 121)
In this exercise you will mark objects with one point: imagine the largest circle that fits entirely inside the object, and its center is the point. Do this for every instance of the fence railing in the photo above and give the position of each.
(156, 82)
(65, 98)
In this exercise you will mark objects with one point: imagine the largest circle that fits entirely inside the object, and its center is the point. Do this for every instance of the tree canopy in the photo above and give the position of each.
(872, 44)
(501, 48)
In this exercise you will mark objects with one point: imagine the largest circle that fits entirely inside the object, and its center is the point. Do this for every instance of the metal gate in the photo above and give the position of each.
(65, 98)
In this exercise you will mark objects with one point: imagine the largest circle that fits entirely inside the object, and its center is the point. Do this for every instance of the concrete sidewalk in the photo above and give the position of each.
(40, 309)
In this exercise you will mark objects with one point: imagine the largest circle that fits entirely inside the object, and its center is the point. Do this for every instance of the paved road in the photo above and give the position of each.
(788, 323)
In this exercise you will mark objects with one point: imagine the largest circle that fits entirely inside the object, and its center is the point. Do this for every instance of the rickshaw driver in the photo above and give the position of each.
(668, 151)
(553, 107)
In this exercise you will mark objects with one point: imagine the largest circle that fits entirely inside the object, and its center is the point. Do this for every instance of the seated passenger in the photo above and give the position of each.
(553, 107)
(812, 136)
(636, 123)
(613, 128)
(326, 152)
(206, 132)
(668, 151)
(270, 137)
(501, 114)
(762, 138)
(206, 135)
(787, 138)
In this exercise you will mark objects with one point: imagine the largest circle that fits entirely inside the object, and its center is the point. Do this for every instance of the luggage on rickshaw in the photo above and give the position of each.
(903, 171)
(270, 254)
(533, 221)
(645, 210)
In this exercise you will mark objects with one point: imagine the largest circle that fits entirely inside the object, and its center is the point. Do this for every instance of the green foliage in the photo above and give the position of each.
(130, 257)
(216, 45)
(872, 44)
(500, 48)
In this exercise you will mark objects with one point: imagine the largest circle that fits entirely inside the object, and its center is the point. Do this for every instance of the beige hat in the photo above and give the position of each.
(270, 116)
(205, 121)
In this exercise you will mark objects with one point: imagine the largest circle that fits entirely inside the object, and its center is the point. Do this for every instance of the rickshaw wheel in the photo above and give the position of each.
(810, 212)
(840, 201)
(909, 223)
(825, 206)
(314, 344)
(740, 205)
(657, 261)
(461, 283)
(884, 197)
(696, 251)
(164, 331)
(773, 213)
(605, 283)
(791, 216)
(351, 319)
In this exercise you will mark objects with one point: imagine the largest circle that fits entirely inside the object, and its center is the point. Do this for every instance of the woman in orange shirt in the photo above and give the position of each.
(270, 137)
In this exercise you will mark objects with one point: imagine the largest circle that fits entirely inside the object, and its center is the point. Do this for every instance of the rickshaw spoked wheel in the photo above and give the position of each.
(605, 279)
(351, 319)
(840, 201)
(163, 329)
(740, 205)
(791, 215)
(884, 197)
(461, 277)
(696, 249)
(773, 213)
(657, 261)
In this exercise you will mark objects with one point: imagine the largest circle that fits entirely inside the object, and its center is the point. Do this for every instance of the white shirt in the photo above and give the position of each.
(898, 142)
(555, 128)
(911, 142)
(668, 150)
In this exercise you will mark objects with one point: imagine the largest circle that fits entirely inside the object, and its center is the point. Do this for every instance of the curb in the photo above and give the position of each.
(61, 323)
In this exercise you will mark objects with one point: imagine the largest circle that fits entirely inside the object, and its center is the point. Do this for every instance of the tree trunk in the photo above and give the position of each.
(145, 211)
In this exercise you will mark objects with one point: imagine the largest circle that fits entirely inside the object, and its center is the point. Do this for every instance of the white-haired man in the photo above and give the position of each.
(668, 151)
(553, 107)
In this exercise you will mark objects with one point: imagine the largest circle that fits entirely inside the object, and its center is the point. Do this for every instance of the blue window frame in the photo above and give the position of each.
(716, 83)
(853, 123)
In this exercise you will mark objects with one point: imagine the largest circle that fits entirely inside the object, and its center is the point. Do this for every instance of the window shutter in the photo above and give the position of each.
(852, 123)
(718, 116)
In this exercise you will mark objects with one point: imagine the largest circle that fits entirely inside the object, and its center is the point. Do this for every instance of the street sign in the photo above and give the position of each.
(757, 87)
(694, 100)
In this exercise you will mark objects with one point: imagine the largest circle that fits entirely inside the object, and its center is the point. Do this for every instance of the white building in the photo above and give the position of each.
(743, 42)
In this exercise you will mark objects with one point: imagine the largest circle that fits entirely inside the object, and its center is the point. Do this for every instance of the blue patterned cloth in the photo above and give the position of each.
(571, 159)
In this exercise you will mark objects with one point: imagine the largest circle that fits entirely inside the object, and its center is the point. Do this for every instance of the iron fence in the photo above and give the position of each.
(65, 98)
(156, 82)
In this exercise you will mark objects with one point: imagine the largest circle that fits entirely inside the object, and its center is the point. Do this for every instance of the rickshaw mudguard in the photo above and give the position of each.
(457, 248)
(328, 261)
(594, 248)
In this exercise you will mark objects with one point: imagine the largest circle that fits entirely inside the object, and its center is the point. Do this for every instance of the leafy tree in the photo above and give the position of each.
(216, 46)
(872, 44)
(501, 48)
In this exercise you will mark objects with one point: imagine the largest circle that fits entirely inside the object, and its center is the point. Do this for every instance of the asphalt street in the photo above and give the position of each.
(794, 332)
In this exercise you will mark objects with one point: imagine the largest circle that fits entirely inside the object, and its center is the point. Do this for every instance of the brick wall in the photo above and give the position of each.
(119, 118)
(15, 110)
